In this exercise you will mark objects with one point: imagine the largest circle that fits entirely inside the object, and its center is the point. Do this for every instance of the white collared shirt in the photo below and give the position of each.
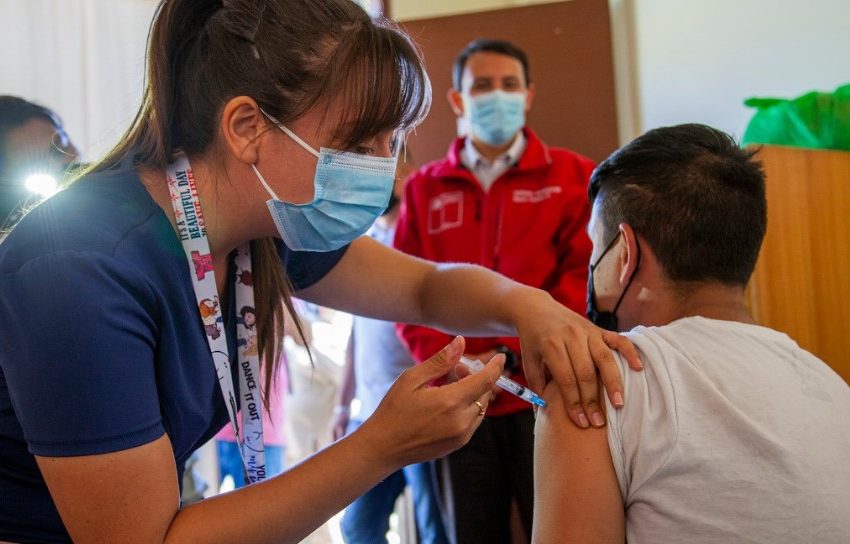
(488, 171)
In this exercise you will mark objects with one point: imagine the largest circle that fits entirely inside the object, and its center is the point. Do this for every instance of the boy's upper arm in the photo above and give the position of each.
(576, 494)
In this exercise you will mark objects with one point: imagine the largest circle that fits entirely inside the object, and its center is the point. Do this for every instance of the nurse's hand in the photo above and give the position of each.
(416, 422)
(558, 342)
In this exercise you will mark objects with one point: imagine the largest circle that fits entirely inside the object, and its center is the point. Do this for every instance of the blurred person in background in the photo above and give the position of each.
(314, 365)
(374, 360)
(502, 199)
(35, 154)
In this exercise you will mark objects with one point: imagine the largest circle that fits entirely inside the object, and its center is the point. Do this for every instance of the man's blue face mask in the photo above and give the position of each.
(351, 190)
(497, 116)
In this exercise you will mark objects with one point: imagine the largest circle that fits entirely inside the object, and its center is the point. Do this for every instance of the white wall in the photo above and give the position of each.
(675, 60)
(698, 60)
(83, 59)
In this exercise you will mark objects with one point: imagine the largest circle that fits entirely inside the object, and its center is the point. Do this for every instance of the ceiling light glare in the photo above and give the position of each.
(42, 184)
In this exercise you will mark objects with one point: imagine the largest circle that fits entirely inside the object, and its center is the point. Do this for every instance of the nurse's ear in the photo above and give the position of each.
(242, 123)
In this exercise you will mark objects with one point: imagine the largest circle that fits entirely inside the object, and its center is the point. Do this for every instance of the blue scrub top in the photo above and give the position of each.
(102, 347)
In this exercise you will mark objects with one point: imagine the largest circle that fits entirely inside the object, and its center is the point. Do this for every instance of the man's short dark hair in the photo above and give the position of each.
(483, 45)
(694, 195)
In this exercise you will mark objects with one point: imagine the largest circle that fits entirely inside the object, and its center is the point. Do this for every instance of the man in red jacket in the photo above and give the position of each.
(502, 199)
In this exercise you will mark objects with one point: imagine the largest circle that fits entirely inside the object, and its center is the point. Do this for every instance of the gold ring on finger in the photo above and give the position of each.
(480, 408)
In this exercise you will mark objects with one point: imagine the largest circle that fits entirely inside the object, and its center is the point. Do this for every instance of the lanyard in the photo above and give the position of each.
(193, 236)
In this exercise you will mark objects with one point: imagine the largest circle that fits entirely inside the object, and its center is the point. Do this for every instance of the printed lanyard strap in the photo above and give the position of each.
(193, 237)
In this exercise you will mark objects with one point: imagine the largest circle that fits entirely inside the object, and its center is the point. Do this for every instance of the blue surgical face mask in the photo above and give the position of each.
(497, 116)
(351, 191)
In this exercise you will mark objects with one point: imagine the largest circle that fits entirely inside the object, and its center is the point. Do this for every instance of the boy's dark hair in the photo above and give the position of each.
(695, 196)
(484, 45)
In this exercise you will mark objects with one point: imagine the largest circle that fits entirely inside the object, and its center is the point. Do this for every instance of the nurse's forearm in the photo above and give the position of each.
(288, 507)
(375, 281)
(473, 300)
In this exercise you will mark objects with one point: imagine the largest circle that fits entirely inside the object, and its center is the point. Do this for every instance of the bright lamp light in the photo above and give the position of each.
(42, 184)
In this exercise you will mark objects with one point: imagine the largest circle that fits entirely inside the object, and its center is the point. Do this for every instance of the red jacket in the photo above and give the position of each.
(530, 226)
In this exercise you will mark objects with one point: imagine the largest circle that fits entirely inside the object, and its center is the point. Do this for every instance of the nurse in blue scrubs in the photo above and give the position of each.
(264, 146)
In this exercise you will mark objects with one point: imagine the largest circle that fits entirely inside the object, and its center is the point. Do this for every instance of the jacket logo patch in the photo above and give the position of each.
(445, 212)
(526, 196)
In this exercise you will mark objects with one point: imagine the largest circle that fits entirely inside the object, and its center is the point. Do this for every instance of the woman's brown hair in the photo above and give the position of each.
(289, 56)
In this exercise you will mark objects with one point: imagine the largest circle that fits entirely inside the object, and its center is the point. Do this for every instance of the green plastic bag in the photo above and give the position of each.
(815, 120)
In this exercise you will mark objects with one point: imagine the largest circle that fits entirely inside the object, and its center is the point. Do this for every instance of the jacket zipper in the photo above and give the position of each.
(497, 236)
(499, 212)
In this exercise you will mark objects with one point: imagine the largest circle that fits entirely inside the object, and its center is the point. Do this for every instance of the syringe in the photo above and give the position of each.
(507, 384)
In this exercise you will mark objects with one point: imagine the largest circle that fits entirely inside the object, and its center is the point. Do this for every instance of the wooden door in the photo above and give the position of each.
(801, 285)
(569, 50)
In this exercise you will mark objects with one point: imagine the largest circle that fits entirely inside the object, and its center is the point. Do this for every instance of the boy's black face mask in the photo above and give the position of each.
(604, 319)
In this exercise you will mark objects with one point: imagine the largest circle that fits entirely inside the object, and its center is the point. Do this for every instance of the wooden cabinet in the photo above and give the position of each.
(801, 285)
